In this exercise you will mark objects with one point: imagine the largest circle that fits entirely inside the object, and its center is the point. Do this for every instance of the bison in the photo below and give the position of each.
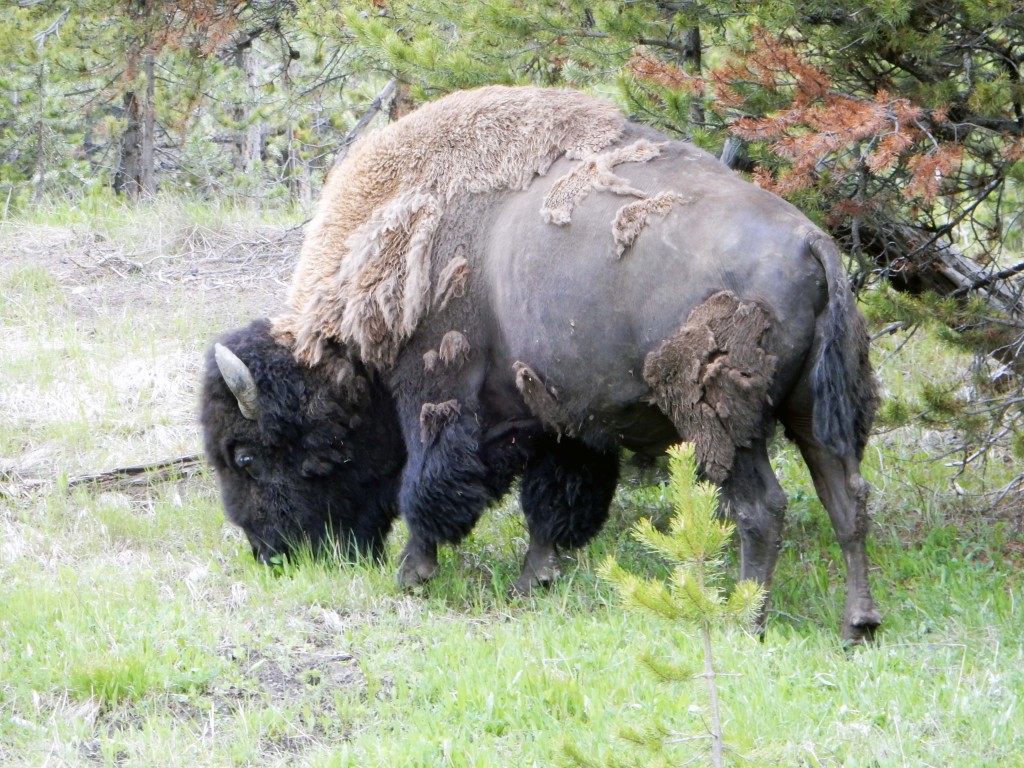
(517, 283)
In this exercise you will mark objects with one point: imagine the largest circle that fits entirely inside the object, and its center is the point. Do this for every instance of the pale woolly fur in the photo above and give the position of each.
(386, 272)
(632, 217)
(595, 173)
(452, 280)
(364, 275)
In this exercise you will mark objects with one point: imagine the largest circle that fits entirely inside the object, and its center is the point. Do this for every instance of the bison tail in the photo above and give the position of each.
(845, 392)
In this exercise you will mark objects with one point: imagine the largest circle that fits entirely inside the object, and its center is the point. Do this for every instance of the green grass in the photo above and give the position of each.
(135, 630)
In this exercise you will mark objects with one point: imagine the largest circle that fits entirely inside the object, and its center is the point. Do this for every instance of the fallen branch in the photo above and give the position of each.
(943, 268)
(142, 474)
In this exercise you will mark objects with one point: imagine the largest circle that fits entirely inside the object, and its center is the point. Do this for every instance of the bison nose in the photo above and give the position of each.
(263, 551)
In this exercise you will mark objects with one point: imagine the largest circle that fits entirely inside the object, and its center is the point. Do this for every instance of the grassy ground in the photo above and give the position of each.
(135, 629)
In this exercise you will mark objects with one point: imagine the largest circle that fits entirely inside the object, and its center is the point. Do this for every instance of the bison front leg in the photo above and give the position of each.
(566, 490)
(756, 502)
(445, 486)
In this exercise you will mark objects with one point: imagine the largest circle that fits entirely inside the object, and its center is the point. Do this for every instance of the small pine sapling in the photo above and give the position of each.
(693, 596)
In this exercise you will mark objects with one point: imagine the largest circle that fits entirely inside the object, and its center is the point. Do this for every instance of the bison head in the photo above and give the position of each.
(302, 455)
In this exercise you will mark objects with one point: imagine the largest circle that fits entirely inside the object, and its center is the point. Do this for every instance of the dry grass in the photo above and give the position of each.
(84, 317)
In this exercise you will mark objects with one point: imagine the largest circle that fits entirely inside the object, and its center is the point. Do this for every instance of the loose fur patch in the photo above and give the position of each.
(595, 172)
(381, 289)
(365, 275)
(542, 401)
(452, 281)
(430, 360)
(434, 417)
(631, 218)
(454, 349)
(713, 376)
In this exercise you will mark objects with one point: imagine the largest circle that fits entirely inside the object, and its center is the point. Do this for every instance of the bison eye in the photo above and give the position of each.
(244, 459)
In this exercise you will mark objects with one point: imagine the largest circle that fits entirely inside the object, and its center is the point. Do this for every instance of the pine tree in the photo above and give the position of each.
(693, 597)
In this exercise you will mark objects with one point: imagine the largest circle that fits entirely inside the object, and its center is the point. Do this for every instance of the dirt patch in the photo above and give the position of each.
(291, 679)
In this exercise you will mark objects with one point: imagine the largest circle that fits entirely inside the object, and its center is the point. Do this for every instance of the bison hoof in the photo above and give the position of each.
(526, 584)
(538, 571)
(412, 575)
(860, 625)
(417, 568)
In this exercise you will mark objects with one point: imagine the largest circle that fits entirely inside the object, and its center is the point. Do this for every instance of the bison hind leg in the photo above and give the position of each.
(753, 498)
(566, 490)
(713, 378)
(835, 472)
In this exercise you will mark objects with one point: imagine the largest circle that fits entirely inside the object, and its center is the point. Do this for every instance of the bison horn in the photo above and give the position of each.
(239, 380)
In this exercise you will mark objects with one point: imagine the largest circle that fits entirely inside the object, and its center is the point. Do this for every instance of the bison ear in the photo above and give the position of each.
(240, 381)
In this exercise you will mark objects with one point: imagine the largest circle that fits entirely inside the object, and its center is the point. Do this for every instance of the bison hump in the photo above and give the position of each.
(366, 275)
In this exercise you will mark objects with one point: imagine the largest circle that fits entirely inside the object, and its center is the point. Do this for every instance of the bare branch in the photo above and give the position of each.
(375, 106)
(1016, 269)
(54, 29)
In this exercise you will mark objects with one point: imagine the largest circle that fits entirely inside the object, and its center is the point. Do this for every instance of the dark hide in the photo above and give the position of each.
(727, 313)
(320, 465)
(722, 314)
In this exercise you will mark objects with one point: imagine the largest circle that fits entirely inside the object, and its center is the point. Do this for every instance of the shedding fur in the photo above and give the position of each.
(631, 218)
(454, 349)
(712, 378)
(382, 287)
(364, 275)
(453, 279)
(595, 173)
(542, 400)
(430, 358)
(434, 417)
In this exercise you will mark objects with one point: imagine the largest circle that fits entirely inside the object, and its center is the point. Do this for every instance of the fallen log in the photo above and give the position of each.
(142, 474)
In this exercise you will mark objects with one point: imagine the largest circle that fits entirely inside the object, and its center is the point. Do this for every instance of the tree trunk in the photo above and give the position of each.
(296, 170)
(711, 680)
(126, 180)
(691, 63)
(136, 171)
(402, 103)
(147, 171)
(40, 171)
(250, 142)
